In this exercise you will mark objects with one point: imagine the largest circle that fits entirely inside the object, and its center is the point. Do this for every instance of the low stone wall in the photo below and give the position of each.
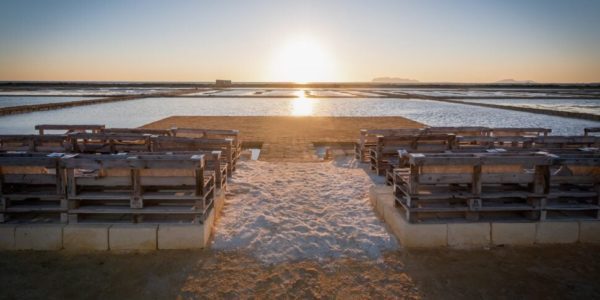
(116, 237)
(480, 234)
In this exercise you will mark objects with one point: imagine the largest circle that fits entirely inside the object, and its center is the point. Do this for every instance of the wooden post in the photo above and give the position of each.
(31, 145)
(136, 197)
(61, 190)
(200, 187)
(597, 187)
(71, 189)
(475, 202)
(3, 201)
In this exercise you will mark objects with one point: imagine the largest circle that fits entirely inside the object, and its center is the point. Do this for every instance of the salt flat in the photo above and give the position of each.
(296, 211)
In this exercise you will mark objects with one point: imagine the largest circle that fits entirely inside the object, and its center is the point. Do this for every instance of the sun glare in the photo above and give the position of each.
(302, 60)
(302, 106)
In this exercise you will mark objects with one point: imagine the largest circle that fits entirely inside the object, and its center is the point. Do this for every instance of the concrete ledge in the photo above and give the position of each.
(379, 194)
(557, 232)
(7, 237)
(517, 234)
(589, 232)
(469, 235)
(220, 201)
(39, 237)
(412, 235)
(86, 237)
(207, 228)
(478, 234)
(132, 237)
(181, 236)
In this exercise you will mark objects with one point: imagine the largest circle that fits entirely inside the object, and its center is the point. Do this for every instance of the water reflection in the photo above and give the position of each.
(302, 106)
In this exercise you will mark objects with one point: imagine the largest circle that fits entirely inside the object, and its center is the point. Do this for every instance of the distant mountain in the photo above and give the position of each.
(512, 81)
(394, 80)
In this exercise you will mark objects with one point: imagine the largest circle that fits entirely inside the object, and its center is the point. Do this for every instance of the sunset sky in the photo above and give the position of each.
(430, 41)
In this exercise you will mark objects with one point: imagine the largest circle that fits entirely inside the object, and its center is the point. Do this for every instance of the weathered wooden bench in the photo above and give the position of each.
(460, 131)
(524, 131)
(68, 128)
(490, 142)
(32, 185)
(178, 144)
(138, 188)
(574, 191)
(587, 131)
(213, 164)
(387, 147)
(137, 131)
(567, 142)
(368, 140)
(232, 134)
(34, 143)
(471, 186)
(109, 142)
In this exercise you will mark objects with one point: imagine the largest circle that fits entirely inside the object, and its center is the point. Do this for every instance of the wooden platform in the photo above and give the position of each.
(289, 138)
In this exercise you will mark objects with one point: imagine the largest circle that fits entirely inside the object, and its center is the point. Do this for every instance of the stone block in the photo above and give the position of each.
(469, 235)
(139, 237)
(555, 232)
(85, 237)
(7, 237)
(39, 237)
(181, 236)
(412, 235)
(207, 228)
(589, 232)
(518, 234)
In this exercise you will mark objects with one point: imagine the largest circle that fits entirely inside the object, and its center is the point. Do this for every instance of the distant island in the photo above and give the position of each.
(513, 81)
(394, 80)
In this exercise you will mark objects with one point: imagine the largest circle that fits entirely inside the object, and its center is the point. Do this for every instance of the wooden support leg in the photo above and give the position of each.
(136, 200)
(474, 208)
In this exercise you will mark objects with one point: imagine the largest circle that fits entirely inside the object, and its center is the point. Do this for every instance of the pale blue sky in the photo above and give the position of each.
(463, 41)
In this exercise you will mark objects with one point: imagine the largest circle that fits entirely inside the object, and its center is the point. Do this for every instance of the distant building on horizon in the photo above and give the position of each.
(222, 82)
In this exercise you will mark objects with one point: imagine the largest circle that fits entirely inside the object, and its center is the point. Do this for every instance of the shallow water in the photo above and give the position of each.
(9, 101)
(590, 106)
(111, 91)
(138, 112)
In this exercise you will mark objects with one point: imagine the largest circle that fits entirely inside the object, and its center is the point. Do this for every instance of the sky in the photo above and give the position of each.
(327, 40)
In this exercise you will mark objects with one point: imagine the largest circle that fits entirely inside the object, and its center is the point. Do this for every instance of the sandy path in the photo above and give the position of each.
(295, 211)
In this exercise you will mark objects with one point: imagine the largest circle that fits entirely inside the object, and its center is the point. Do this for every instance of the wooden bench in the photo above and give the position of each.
(32, 185)
(490, 142)
(574, 191)
(34, 143)
(137, 131)
(213, 164)
(68, 128)
(138, 188)
(470, 186)
(524, 131)
(178, 144)
(368, 140)
(587, 131)
(109, 142)
(387, 146)
(567, 142)
(460, 131)
(232, 134)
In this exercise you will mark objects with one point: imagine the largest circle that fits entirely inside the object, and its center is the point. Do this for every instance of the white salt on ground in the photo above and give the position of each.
(293, 211)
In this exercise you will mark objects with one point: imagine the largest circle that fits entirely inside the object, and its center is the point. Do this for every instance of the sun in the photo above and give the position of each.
(302, 60)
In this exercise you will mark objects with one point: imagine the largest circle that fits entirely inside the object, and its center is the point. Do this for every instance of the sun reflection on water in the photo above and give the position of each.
(302, 106)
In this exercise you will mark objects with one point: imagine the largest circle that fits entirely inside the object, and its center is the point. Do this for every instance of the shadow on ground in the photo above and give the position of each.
(551, 272)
